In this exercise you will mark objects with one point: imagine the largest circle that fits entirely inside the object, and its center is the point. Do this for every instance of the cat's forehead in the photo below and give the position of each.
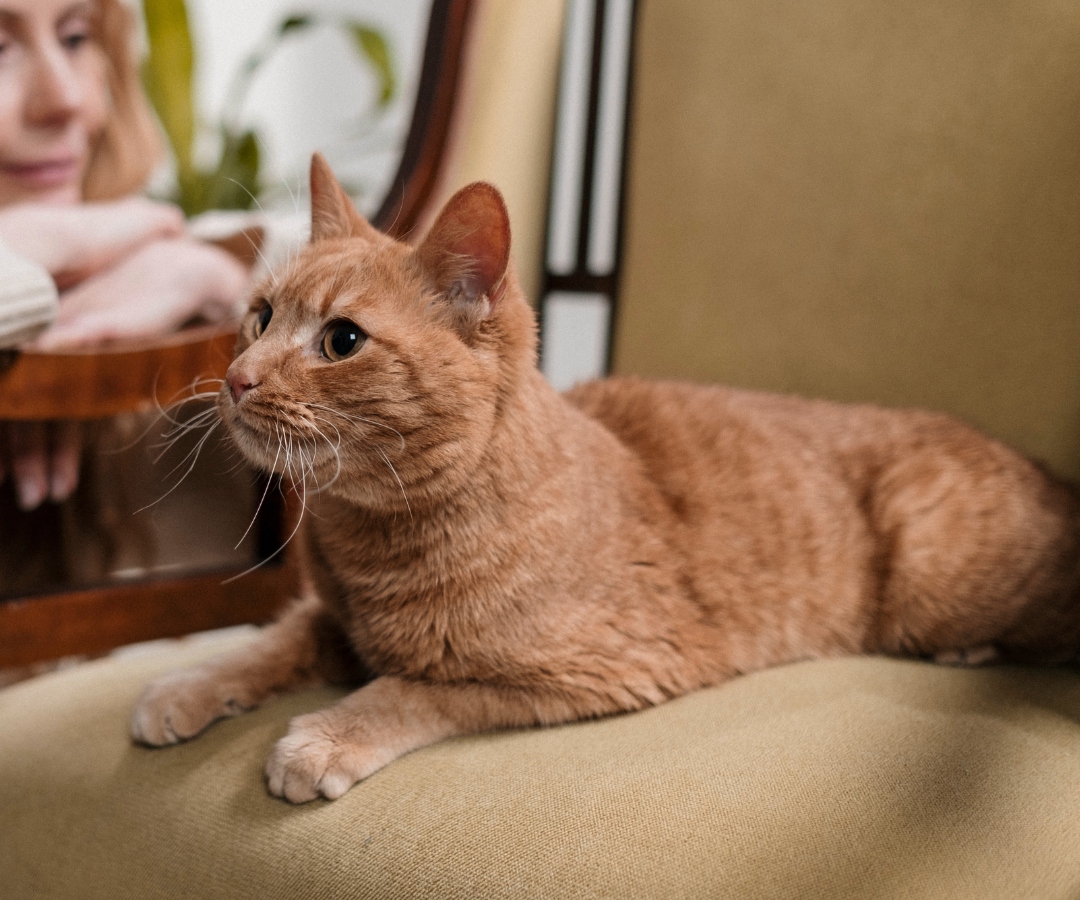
(327, 282)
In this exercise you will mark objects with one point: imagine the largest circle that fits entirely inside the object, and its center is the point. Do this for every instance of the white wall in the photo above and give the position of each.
(315, 92)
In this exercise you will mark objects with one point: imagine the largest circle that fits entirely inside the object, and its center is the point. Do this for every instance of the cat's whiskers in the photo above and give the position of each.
(287, 462)
(170, 438)
(302, 461)
(269, 269)
(295, 197)
(254, 246)
(307, 454)
(319, 488)
(297, 473)
(180, 427)
(285, 543)
(334, 448)
(400, 485)
(185, 425)
(379, 450)
(177, 402)
(163, 413)
(397, 215)
(280, 434)
(356, 418)
(295, 461)
(262, 499)
(192, 454)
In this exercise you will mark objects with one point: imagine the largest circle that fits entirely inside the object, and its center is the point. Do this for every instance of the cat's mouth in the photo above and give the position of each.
(275, 445)
(314, 444)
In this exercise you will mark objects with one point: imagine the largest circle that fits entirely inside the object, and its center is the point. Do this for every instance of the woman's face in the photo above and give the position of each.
(53, 99)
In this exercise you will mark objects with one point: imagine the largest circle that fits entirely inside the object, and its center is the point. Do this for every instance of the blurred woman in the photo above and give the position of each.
(81, 259)
(75, 126)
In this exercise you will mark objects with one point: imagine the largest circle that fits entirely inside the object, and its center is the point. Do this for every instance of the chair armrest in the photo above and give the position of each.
(102, 382)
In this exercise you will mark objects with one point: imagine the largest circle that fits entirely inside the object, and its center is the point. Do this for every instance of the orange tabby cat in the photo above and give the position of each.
(486, 553)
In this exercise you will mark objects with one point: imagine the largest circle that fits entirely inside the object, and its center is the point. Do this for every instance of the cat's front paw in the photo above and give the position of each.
(319, 758)
(178, 706)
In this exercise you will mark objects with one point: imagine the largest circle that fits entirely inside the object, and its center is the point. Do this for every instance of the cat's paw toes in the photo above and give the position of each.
(178, 706)
(313, 760)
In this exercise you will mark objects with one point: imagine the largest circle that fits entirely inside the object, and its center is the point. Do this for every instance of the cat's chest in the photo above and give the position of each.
(410, 611)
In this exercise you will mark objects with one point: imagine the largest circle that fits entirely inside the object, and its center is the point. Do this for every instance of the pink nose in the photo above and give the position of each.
(239, 384)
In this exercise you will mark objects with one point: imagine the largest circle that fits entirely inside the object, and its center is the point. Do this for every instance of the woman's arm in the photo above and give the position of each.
(76, 245)
(74, 242)
(157, 289)
(44, 247)
(43, 458)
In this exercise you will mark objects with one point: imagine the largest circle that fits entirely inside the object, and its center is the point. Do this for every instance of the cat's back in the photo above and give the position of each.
(765, 505)
(696, 429)
(703, 429)
(738, 465)
(733, 462)
(792, 512)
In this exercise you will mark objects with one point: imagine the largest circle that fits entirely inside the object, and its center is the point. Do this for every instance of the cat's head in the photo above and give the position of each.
(375, 366)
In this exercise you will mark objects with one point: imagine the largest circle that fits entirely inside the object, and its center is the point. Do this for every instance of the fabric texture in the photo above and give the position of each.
(864, 202)
(503, 120)
(28, 298)
(859, 778)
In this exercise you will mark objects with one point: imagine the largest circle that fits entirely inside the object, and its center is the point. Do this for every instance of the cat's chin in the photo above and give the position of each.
(241, 430)
(253, 443)
(263, 449)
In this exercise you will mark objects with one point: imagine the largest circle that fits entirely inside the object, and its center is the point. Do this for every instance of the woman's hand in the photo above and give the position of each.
(74, 242)
(154, 291)
(43, 458)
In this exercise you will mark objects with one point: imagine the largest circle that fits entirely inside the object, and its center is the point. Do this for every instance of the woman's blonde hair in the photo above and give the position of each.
(130, 143)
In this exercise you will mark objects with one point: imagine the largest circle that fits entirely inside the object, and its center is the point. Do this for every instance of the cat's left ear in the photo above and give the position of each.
(468, 248)
(333, 214)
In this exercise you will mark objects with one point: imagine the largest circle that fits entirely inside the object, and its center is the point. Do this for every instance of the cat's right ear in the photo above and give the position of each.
(468, 248)
(333, 214)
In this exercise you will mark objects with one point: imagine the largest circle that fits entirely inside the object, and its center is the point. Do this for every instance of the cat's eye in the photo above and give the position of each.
(342, 339)
(262, 319)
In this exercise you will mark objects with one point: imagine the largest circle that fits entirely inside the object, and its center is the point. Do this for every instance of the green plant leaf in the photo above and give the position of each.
(192, 192)
(235, 182)
(167, 73)
(245, 169)
(374, 47)
(294, 23)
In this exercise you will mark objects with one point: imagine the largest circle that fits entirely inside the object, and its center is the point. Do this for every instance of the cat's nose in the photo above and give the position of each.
(239, 384)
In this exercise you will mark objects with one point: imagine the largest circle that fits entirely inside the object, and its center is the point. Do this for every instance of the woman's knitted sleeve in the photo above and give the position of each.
(28, 298)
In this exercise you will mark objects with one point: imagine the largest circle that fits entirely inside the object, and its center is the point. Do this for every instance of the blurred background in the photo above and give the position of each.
(266, 82)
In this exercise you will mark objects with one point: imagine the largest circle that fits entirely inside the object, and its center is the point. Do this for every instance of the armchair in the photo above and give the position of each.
(862, 201)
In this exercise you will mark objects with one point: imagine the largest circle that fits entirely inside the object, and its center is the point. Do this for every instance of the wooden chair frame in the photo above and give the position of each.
(38, 386)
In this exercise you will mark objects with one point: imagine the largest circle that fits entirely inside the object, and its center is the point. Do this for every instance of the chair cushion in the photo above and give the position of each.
(846, 778)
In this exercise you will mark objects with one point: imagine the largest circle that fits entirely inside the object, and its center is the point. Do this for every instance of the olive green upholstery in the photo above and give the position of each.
(857, 778)
(863, 201)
